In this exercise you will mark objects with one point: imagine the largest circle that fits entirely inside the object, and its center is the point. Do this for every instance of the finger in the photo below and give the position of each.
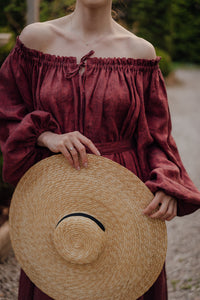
(162, 210)
(169, 212)
(88, 143)
(74, 154)
(82, 151)
(174, 214)
(152, 206)
(66, 154)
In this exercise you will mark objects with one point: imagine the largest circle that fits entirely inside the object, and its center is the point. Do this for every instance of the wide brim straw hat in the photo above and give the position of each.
(82, 234)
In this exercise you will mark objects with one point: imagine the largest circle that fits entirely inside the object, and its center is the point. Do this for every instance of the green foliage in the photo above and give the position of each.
(54, 9)
(152, 20)
(13, 13)
(170, 25)
(165, 62)
(186, 30)
(5, 50)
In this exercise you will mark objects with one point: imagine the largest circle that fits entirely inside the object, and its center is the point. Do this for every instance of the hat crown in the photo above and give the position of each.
(78, 239)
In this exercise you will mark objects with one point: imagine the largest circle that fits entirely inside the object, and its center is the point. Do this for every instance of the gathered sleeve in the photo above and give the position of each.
(159, 157)
(20, 122)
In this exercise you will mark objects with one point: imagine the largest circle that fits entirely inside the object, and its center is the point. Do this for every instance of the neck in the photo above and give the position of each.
(92, 21)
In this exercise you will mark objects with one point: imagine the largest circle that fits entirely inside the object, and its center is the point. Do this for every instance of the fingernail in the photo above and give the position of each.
(85, 165)
(98, 153)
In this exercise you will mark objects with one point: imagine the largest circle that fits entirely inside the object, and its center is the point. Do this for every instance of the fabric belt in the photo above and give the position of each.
(114, 147)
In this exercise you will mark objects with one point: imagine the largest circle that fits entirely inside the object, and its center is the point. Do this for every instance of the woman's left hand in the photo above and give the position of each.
(167, 207)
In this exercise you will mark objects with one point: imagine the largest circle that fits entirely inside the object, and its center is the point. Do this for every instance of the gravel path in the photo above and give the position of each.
(9, 277)
(183, 257)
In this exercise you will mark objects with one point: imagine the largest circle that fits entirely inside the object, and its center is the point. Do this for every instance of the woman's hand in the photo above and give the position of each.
(167, 207)
(71, 145)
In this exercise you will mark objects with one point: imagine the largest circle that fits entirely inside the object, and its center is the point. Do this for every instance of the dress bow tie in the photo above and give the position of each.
(72, 73)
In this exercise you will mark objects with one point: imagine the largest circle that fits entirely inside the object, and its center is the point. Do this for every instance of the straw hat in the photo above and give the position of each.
(82, 235)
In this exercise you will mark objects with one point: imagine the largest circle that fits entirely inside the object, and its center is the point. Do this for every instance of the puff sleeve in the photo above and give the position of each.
(20, 122)
(159, 157)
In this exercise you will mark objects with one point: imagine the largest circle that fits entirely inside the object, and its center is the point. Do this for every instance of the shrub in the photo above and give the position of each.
(5, 50)
(186, 33)
(151, 20)
(165, 63)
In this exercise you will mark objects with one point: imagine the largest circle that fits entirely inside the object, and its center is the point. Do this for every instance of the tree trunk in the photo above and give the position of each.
(33, 8)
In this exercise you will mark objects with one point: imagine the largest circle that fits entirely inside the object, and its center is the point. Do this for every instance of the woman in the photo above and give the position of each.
(82, 83)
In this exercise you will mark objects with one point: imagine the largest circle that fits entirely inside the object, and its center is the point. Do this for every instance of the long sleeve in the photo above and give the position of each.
(160, 159)
(20, 122)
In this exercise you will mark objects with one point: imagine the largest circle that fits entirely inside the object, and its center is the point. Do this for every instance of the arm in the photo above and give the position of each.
(20, 123)
(160, 161)
(28, 135)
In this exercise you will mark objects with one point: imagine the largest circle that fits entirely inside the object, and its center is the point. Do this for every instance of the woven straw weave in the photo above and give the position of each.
(76, 259)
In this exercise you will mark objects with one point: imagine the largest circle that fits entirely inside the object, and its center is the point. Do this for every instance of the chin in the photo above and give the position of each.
(95, 3)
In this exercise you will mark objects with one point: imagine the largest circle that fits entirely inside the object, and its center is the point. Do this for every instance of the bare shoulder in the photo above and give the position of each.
(141, 48)
(136, 47)
(36, 35)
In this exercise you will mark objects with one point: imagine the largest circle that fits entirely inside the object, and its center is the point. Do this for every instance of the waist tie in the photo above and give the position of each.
(114, 147)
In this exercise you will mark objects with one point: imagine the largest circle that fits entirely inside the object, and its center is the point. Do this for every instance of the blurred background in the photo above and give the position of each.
(173, 27)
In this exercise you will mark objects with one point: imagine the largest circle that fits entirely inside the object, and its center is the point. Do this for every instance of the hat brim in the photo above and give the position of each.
(131, 253)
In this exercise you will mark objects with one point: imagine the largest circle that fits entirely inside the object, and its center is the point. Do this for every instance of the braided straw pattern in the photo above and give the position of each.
(76, 259)
(79, 240)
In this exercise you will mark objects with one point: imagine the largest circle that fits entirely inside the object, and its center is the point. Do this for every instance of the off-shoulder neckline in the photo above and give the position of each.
(42, 56)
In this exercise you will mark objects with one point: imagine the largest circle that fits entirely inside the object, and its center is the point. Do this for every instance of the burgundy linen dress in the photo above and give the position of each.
(119, 103)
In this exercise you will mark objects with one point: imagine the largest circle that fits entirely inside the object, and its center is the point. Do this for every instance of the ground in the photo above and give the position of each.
(183, 257)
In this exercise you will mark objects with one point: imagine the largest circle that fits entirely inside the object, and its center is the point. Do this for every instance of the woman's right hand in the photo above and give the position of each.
(71, 145)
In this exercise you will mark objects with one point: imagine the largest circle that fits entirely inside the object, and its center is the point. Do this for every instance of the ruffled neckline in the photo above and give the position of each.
(52, 58)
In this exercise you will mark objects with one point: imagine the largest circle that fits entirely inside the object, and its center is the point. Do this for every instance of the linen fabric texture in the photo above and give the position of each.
(115, 99)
